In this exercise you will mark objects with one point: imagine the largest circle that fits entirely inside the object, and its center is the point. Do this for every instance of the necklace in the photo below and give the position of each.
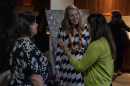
(75, 32)
(79, 43)
(24, 38)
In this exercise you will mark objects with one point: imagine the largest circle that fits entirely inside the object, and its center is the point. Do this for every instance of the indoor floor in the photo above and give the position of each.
(122, 80)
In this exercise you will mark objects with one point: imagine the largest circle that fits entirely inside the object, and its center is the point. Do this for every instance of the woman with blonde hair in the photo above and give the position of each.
(75, 34)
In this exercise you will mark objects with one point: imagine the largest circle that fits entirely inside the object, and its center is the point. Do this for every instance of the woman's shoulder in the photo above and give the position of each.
(100, 40)
(27, 44)
(122, 22)
(94, 44)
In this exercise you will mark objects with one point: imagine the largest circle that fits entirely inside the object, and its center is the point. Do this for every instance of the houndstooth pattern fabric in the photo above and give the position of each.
(68, 75)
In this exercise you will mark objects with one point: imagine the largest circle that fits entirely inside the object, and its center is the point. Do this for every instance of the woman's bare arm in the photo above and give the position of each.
(37, 80)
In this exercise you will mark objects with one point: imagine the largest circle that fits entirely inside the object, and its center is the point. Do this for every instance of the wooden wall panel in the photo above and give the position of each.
(38, 4)
(128, 7)
(120, 5)
(123, 68)
(105, 7)
(92, 5)
(27, 2)
(23, 2)
(89, 5)
(84, 4)
(80, 4)
(127, 62)
(126, 58)
(95, 4)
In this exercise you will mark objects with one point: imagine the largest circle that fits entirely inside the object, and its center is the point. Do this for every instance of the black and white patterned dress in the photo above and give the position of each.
(68, 75)
(25, 60)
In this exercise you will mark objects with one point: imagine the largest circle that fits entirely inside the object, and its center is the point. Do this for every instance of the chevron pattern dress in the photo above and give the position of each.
(68, 75)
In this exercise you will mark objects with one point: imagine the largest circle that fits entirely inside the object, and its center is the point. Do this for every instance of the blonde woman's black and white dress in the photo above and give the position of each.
(68, 75)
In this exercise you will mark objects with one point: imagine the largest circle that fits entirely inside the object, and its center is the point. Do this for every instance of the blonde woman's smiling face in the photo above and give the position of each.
(73, 16)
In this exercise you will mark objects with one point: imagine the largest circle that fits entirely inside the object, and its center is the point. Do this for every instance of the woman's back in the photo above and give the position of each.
(115, 29)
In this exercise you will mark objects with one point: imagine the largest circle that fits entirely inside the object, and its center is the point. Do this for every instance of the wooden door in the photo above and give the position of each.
(119, 5)
(128, 7)
(105, 7)
(38, 4)
(92, 5)
(126, 58)
(23, 2)
(80, 4)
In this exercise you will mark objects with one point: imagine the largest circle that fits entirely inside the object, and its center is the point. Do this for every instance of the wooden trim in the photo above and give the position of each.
(38, 4)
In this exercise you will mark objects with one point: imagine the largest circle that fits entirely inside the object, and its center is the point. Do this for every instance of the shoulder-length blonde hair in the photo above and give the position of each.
(66, 26)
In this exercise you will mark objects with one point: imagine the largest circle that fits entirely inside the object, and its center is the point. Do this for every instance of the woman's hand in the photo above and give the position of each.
(57, 74)
(85, 48)
(36, 80)
(63, 45)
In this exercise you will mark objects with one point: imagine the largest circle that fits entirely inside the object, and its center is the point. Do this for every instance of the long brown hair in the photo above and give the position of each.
(100, 28)
(65, 23)
(116, 16)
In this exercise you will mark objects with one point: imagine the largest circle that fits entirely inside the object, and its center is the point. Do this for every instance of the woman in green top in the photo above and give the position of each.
(97, 61)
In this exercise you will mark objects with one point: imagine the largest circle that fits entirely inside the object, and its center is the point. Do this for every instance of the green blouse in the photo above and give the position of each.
(96, 63)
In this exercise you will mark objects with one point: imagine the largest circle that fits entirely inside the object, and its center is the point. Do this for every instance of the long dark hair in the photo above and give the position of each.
(6, 18)
(116, 15)
(19, 28)
(100, 28)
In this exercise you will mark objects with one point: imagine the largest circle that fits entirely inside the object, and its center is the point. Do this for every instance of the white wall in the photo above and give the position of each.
(60, 4)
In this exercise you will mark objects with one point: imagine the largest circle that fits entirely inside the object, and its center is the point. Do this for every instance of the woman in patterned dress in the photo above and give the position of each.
(75, 34)
(28, 66)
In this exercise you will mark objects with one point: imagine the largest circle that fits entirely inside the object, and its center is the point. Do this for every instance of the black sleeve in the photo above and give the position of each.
(125, 26)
